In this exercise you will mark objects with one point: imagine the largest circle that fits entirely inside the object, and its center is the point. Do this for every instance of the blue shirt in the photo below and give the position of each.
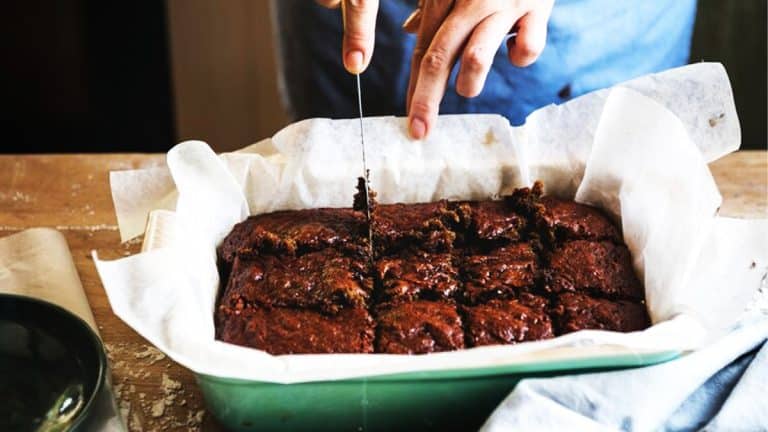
(591, 44)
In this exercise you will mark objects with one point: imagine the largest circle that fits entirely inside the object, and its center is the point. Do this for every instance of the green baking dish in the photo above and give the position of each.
(459, 399)
(434, 400)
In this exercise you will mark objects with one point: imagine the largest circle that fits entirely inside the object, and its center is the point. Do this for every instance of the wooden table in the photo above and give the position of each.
(71, 193)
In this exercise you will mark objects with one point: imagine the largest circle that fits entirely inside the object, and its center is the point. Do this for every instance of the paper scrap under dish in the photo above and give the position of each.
(37, 263)
(640, 162)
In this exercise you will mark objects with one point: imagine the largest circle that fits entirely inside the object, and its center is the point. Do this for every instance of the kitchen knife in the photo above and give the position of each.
(366, 176)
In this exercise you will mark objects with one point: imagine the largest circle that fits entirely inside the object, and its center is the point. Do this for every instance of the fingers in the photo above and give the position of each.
(475, 29)
(359, 18)
(479, 52)
(435, 67)
(531, 37)
(432, 16)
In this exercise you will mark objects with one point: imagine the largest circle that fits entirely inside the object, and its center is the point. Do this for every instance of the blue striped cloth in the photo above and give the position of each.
(718, 388)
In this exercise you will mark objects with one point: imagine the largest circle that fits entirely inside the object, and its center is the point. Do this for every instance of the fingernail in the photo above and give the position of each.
(355, 61)
(411, 24)
(418, 128)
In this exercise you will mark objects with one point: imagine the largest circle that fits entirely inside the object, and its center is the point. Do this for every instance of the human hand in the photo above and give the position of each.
(469, 31)
(359, 17)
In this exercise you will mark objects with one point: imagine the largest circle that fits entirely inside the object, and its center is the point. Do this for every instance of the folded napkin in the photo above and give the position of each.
(718, 388)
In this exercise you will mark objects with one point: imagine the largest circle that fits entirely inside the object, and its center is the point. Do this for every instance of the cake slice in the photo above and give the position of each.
(425, 226)
(573, 312)
(490, 220)
(418, 327)
(416, 274)
(295, 231)
(325, 280)
(563, 220)
(502, 272)
(508, 321)
(297, 331)
(600, 268)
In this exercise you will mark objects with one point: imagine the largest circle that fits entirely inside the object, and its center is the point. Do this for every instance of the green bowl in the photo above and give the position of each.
(440, 400)
(53, 369)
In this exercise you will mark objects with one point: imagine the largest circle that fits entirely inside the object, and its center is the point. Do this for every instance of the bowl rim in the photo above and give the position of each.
(92, 338)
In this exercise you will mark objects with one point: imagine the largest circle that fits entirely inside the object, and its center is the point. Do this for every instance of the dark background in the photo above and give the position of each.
(734, 33)
(94, 76)
(85, 76)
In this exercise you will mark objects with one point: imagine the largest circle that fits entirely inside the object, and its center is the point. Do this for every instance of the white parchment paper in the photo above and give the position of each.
(628, 150)
(554, 143)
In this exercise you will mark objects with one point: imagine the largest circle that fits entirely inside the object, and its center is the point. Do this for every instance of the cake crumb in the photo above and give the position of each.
(490, 138)
(169, 406)
(196, 419)
(158, 408)
(169, 383)
(714, 120)
(135, 423)
(125, 408)
(151, 353)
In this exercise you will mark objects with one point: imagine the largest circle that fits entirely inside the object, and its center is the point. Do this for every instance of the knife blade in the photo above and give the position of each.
(366, 173)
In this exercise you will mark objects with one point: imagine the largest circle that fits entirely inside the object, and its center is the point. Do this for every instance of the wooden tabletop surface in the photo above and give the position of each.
(71, 193)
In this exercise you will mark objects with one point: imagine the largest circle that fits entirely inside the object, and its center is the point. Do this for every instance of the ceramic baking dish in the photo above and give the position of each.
(446, 400)
(459, 399)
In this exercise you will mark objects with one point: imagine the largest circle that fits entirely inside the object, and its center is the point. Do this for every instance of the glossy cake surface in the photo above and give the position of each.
(441, 276)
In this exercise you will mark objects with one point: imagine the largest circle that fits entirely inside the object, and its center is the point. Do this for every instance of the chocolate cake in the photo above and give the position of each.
(569, 220)
(417, 274)
(289, 231)
(508, 321)
(602, 268)
(440, 276)
(418, 327)
(398, 226)
(499, 273)
(297, 331)
(574, 312)
(325, 280)
(490, 220)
